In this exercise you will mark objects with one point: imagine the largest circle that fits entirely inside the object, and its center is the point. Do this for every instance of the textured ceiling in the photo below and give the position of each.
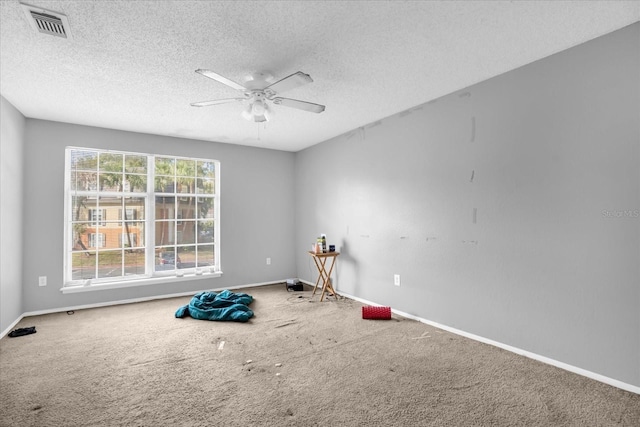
(130, 64)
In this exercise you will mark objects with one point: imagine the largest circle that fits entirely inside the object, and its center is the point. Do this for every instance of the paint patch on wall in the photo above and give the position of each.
(473, 129)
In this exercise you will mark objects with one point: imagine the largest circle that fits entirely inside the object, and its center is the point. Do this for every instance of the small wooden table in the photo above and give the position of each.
(324, 275)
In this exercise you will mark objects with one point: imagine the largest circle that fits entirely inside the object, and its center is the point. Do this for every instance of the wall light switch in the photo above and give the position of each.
(42, 281)
(268, 261)
(396, 279)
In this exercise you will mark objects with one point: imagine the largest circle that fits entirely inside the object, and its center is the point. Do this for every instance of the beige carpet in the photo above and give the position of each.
(298, 362)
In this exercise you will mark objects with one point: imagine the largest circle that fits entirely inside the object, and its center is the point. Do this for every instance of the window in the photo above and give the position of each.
(96, 216)
(130, 213)
(129, 240)
(96, 240)
(132, 217)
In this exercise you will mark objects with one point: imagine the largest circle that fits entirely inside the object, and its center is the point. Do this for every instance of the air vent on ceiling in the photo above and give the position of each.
(47, 21)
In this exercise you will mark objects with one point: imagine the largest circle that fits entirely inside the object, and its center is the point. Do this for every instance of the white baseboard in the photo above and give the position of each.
(585, 373)
(11, 326)
(127, 301)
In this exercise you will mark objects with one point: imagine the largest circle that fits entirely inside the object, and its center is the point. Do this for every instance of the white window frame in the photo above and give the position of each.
(150, 276)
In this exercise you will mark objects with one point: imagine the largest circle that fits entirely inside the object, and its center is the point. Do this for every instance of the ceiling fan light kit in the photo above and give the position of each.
(257, 91)
(257, 111)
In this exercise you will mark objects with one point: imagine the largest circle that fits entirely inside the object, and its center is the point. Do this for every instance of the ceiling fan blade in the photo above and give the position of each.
(216, 102)
(221, 79)
(289, 82)
(300, 105)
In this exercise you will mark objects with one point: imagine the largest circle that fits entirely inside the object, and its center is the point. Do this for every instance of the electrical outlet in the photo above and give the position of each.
(42, 281)
(396, 279)
(268, 261)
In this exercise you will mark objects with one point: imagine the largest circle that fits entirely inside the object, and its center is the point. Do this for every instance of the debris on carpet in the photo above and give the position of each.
(22, 331)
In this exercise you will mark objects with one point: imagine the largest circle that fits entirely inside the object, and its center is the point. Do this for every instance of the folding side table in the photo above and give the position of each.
(324, 275)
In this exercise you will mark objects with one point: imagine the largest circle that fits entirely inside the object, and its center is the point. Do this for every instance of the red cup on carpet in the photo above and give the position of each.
(377, 313)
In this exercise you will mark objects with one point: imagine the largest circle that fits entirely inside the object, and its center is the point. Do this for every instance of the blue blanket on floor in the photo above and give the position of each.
(226, 305)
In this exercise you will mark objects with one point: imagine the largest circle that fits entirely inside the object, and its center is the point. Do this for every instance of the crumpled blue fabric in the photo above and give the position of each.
(225, 305)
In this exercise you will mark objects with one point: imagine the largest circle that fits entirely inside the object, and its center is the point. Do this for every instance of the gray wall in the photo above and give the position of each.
(551, 263)
(12, 125)
(256, 219)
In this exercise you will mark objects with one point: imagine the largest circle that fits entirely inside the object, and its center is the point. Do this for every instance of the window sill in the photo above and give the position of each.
(139, 282)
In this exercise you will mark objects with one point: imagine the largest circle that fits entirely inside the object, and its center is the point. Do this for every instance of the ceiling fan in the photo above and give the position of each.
(257, 90)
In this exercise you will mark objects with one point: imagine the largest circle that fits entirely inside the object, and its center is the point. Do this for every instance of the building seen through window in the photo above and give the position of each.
(132, 215)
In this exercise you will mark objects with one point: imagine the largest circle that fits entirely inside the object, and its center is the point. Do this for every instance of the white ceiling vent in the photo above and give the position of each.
(47, 21)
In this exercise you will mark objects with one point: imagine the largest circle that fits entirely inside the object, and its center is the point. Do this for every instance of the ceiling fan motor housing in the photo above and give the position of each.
(256, 95)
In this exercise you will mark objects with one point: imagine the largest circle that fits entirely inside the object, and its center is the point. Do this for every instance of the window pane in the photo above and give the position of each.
(132, 235)
(206, 169)
(109, 263)
(133, 208)
(135, 183)
(111, 206)
(82, 160)
(187, 257)
(135, 164)
(83, 266)
(111, 182)
(80, 208)
(95, 215)
(205, 207)
(206, 186)
(166, 259)
(186, 185)
(128, 240)
(111, 162)
(164, 184)
(83, 181)
(134, 262)
(205, 231)
(165, 233)
(187, 207)
(185, 167)
(80, 235)
(96, 240)
(186, 233)
(165, 166)
(165, 207)
(205, 256)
